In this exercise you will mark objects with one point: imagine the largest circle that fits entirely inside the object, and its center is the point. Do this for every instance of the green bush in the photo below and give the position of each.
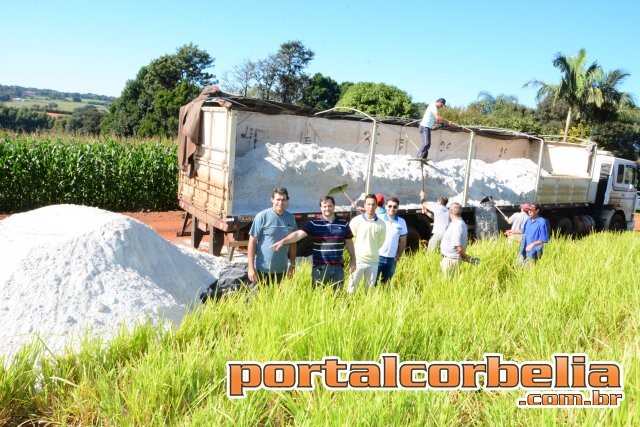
(109, 174)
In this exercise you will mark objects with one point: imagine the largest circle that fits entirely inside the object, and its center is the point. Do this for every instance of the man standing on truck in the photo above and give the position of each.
(536, 234)
(330, 236)
(269, 226)
(429, 119)
(395, 241)
(369, 232)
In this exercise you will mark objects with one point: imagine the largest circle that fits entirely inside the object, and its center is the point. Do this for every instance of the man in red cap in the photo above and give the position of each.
(380, 202)
(536, 234)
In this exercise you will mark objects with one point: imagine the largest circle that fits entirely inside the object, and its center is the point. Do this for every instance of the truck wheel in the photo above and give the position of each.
(617, 223)
(583, 224)
(413, 239)
(563, 226)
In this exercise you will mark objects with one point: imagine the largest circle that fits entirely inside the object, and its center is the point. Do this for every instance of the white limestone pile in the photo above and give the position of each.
(66, 269)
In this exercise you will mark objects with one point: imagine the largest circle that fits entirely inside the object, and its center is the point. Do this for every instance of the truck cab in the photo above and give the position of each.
(615, 186)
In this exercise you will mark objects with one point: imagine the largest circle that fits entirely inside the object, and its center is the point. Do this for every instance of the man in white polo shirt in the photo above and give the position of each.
(395, 241)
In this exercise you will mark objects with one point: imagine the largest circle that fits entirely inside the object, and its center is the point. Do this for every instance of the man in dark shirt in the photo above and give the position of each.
(330, 235)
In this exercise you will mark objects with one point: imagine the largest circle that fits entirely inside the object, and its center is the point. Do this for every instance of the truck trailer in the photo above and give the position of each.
(231, 152)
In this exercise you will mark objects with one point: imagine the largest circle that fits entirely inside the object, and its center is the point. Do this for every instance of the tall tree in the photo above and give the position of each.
(293, 58)
(150, 103)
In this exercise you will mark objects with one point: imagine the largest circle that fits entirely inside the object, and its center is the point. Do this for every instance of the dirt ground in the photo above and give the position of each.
(168, 225)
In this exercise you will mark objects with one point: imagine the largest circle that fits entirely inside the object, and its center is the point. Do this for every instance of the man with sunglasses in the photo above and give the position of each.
(395, 240)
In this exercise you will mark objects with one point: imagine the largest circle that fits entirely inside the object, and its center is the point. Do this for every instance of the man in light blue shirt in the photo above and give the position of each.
(269, 226)
(429, 119)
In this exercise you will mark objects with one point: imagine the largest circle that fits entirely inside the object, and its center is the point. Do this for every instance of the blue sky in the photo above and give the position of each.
(452, 49)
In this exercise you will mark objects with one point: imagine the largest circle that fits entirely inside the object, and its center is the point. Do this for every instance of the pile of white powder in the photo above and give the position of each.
(310, 171)
(65, 269)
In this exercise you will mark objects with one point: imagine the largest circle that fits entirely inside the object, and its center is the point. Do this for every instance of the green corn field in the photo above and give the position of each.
(37, 171)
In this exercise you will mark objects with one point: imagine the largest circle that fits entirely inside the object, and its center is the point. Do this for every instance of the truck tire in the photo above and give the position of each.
(562, 225)
(583, 224)
(617, 223)
(413, 239)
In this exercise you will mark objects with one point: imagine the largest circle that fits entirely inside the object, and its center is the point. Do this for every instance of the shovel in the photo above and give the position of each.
(489, 198)
(342, 189)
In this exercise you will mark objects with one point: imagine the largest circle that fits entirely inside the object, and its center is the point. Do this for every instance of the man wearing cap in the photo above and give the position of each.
(536, 234)
(517, 221)
(430, 117)
(380, 202)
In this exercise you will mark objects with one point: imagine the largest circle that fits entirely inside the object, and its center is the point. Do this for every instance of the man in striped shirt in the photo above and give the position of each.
(330, 235)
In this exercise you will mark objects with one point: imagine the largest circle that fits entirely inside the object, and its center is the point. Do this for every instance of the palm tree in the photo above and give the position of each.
(576, 86)
(611, 101)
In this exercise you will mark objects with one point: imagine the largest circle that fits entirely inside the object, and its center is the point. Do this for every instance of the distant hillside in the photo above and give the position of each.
(7, 93)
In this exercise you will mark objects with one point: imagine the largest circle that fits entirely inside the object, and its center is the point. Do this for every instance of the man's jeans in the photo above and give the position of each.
(425, 134)
(324, 274)
(386, 268)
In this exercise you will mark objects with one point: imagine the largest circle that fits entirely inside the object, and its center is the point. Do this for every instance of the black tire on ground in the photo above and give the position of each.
(562, 226)
(617, 223)
(413, 238)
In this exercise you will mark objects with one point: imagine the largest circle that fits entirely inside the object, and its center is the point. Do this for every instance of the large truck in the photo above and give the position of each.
(239, 143)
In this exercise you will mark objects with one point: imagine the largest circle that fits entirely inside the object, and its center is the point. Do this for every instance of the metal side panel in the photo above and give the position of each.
(563, 190)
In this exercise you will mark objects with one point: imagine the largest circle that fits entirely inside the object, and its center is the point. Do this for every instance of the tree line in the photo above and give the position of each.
(10, 92)
(586, 103)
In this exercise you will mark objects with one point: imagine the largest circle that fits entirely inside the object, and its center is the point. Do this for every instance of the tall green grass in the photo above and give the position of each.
(37, 171)
(582, 297)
